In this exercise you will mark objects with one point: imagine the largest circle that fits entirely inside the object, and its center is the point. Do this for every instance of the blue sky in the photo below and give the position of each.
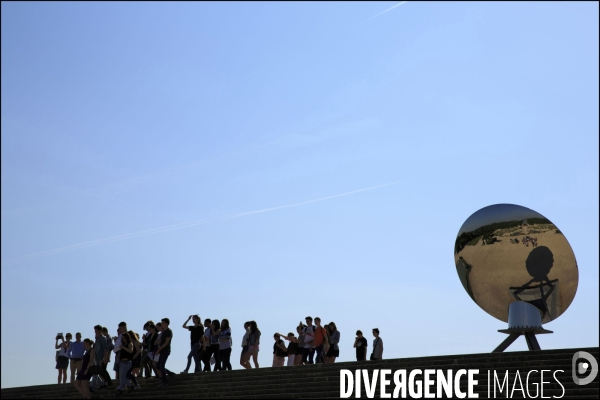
(118, 118)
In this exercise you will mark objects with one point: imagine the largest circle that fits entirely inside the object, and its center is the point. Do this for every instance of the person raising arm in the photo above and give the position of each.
(360, 344)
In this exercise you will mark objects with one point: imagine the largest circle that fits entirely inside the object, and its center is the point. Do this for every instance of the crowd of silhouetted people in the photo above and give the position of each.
(528, 239)
(210, 350)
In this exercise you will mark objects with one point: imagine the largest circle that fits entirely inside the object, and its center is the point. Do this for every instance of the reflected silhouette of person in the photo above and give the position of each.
(538, 264)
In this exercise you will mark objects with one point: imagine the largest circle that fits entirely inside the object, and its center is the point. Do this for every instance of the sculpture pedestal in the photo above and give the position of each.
(514, 334)
(523, 319)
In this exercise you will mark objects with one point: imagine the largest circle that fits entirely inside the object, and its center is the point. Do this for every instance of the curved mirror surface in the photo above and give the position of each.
(506, 252)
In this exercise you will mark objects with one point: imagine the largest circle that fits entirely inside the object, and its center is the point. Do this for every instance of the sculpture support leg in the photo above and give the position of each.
(507, 342)
(532, 342)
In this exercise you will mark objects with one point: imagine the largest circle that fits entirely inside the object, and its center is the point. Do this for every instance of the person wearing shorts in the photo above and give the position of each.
(300, 349)
(82, 381)
(334, 339)
(62, 361)
(254, 342)
(245, 355)
(292, 348)
(136, 362)
(279, 351)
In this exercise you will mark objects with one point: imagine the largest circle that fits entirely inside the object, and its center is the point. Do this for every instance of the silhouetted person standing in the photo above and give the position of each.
(196, 333)
(76, 351)
(377, 346)
(101, 357)
(164, 350)
(360, 344)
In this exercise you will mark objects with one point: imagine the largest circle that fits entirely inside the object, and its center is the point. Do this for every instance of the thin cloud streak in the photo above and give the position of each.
(383, 12)
(179, 226)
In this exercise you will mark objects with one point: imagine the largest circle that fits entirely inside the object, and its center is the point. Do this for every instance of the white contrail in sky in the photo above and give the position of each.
(178, 226)
(383, 12)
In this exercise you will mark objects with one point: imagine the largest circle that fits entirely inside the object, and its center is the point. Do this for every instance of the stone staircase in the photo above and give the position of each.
(323, 380)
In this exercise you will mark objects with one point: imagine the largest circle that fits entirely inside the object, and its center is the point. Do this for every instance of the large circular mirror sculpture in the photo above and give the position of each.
(518, 267)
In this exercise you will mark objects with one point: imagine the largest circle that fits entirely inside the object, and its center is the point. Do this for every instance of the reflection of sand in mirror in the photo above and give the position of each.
(498, 266)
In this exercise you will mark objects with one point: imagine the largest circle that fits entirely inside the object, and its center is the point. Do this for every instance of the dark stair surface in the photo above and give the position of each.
(323, 380)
